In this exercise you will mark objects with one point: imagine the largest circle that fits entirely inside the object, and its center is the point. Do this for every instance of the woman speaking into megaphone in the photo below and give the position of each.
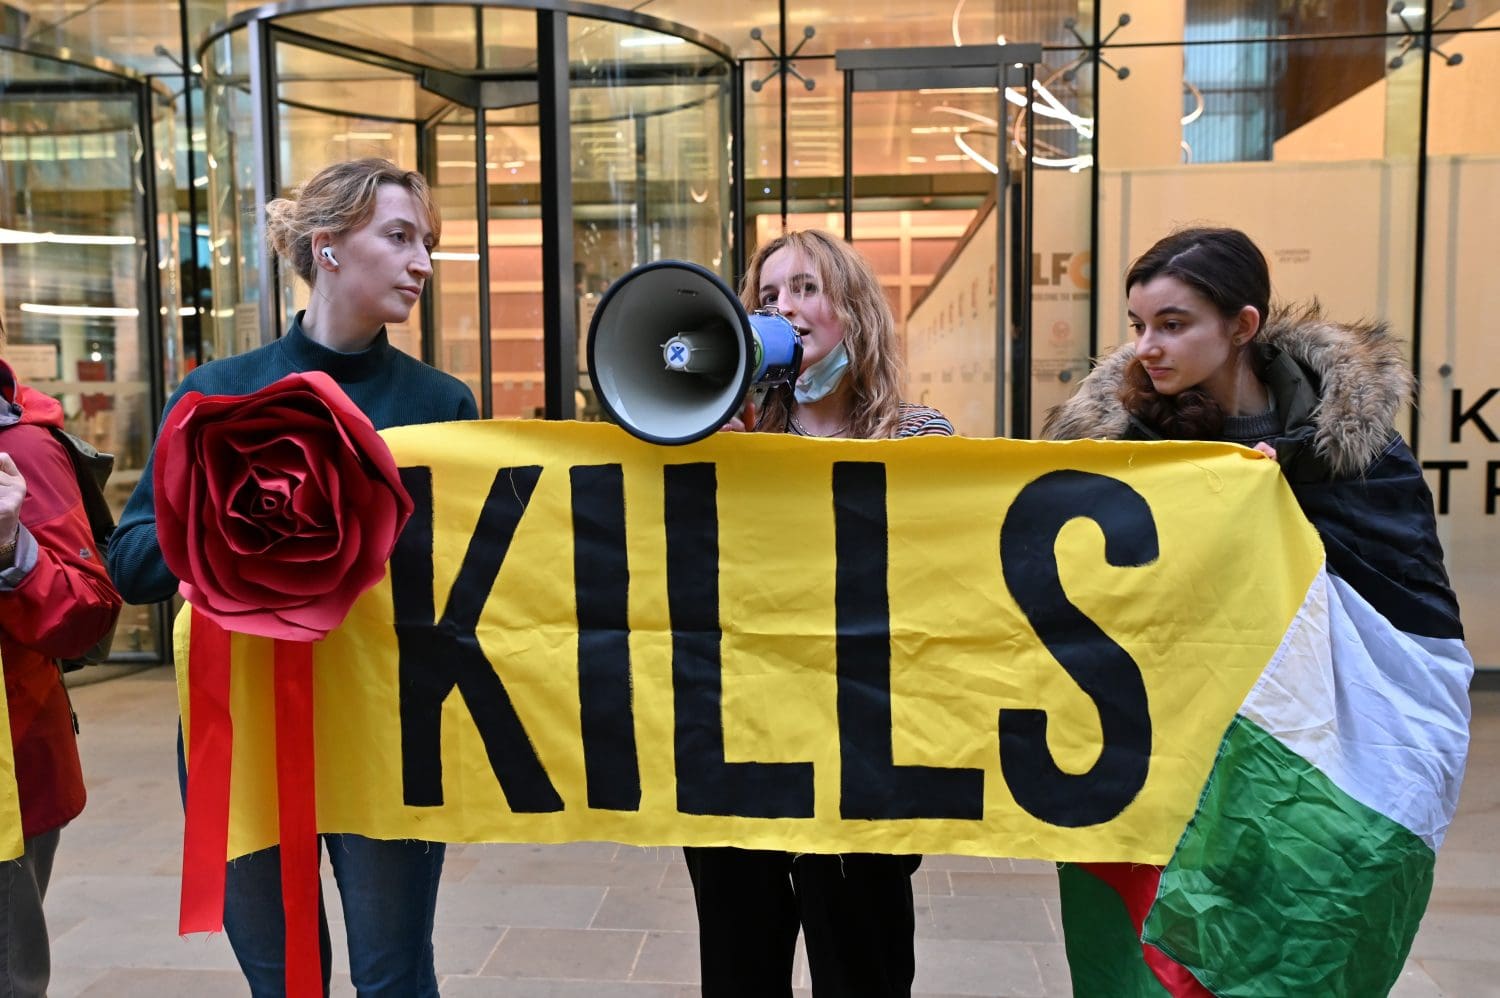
(850, 381)
(854, 910)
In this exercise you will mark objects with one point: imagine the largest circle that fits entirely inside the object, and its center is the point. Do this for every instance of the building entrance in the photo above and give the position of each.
(566, 146)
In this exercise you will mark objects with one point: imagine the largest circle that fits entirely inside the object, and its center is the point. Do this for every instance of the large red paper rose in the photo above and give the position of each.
(276, 510)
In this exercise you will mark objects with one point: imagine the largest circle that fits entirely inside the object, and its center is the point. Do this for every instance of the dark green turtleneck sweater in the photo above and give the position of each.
(390, 387)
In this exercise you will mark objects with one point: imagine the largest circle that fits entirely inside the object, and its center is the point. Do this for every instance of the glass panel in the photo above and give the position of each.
(763, 133)
(815, 144)
(318, 82)
(234, 247)
(204, 14)
(729, 23)
(1355, 160)
(902, 23)
(924, 215)
(428, 36)
(514, 234)
(193, 233)
(76, 283)
(650, 161)
(650, 136)
(650, 165)
(517, 378)
(142, 35)
(509, 39)
(455, 263)
(1062, 271)
(1459, 405)
(174, 306)
(513, 152)
(1167, 20)
(323, 99)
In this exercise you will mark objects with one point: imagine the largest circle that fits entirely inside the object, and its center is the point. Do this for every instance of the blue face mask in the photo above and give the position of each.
(819, 381)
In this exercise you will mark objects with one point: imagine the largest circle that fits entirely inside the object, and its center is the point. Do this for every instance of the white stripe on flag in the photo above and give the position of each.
(1383, 714)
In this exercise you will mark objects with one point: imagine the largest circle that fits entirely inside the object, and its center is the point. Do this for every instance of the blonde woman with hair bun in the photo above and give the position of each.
(360, 234)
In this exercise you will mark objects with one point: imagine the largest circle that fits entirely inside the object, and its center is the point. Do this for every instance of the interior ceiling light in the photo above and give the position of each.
(17, 236)
(975, 154)
(958, 9)
(80, 311)
(1045, 105)
(1197, 111)
(643, 41)
(957, 40)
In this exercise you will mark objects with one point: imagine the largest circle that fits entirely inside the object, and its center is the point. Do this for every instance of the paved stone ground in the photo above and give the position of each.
(598, 920)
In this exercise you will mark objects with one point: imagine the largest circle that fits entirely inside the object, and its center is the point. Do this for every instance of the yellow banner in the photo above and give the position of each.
(11, 842)
(932, 645)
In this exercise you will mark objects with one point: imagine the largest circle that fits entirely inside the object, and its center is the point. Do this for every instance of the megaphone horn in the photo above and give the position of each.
(672, 353)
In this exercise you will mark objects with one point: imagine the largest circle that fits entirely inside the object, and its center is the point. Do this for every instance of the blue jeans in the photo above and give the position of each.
(389, 893)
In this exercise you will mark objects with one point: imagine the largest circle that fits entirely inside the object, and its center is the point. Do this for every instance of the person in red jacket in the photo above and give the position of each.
(56, 601)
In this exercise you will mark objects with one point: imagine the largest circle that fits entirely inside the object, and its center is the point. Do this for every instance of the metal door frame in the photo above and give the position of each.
(947, 67)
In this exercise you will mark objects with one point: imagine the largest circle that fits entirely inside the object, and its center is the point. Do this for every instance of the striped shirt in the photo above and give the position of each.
(922, 421)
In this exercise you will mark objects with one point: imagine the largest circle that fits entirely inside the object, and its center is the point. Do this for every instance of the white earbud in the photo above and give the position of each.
(328, 255)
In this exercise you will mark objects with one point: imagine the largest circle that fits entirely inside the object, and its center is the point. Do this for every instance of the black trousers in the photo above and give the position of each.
(855, 912)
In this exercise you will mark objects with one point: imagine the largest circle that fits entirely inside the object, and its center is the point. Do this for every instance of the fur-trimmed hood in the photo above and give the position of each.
(1361, 378)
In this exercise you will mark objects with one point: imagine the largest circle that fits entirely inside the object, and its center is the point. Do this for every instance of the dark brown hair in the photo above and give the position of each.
(1228, 269)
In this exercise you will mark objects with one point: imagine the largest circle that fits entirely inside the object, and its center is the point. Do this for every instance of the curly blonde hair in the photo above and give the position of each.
(853, 290)
(339, 198)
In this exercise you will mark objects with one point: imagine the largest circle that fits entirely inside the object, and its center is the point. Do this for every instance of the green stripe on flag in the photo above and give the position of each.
(1285, 885)
(1104, 953)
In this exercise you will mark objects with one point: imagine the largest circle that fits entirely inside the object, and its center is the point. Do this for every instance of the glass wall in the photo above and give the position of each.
(1459, 368)
(88, 258)
(456, 92)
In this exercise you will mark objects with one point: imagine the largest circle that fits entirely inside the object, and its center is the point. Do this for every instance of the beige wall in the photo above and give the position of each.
(1143, 112)
(1382, 120)
(1459, 355)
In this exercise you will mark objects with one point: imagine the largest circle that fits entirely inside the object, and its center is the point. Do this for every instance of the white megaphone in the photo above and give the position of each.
(672, 352)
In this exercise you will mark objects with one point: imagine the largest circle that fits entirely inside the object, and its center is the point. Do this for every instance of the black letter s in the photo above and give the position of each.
(1101, 668)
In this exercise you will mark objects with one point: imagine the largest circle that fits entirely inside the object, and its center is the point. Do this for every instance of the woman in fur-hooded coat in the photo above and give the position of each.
(1336, 391)
(1212, 361)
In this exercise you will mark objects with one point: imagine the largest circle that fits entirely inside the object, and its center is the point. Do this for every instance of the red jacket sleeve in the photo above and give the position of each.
(66, 603)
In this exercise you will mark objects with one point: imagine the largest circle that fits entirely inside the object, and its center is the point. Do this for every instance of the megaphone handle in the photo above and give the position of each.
(744, 420)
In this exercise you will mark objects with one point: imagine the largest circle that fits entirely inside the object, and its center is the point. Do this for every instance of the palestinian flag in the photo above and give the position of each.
(1309, 861)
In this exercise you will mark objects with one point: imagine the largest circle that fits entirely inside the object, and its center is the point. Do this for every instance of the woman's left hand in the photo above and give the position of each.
(741, 422)
(1266, 449)
(12, 494)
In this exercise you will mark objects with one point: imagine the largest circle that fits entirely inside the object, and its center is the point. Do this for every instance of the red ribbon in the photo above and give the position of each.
(205, 837)
(297, 808)
(205, 841)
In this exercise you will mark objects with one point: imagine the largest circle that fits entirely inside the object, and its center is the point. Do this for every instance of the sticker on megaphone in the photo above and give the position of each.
(776, 351)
